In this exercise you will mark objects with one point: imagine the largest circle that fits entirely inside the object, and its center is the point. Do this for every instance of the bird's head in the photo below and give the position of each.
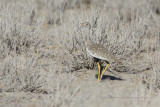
(85, 25)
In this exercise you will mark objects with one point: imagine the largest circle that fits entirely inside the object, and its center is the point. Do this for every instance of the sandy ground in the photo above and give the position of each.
(49, 42)
(111, 91)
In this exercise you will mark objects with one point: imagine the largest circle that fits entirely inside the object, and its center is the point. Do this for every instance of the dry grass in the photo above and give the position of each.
(43, 59)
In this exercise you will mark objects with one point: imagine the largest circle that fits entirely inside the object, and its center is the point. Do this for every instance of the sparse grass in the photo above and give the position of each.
(42, 52)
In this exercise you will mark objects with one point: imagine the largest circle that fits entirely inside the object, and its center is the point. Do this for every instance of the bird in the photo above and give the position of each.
(98, 52)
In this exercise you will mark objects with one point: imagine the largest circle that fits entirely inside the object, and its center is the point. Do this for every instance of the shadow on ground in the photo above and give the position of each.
(109, 77)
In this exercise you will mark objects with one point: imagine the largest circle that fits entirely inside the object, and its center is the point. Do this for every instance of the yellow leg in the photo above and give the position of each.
(98, 70)
(104, 70)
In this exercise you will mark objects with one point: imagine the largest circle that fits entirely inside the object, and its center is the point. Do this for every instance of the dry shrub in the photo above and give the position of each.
(41, 43)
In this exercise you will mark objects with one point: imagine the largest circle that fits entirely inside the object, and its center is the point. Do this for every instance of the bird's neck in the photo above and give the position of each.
(89, 35)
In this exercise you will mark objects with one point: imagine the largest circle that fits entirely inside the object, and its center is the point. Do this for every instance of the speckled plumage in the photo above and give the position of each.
(100, 52)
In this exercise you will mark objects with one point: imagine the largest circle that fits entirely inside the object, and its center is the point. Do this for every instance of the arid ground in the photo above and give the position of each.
(43, 59)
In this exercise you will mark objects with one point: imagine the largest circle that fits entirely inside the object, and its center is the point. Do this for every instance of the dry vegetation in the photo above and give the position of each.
(43, 60)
